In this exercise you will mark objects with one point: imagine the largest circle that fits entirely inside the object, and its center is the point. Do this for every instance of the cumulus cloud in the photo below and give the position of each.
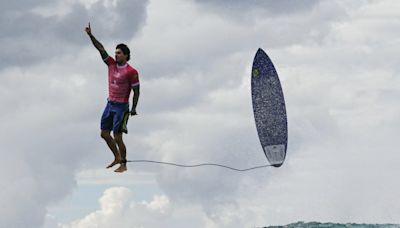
(118, 208)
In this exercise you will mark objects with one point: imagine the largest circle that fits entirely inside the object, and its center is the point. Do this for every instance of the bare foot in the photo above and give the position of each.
(121, 168)
(116, 161)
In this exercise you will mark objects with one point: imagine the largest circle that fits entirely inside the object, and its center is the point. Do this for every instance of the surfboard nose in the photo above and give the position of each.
(260, 51)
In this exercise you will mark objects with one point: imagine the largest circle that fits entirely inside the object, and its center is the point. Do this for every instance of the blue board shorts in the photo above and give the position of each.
(115, 117)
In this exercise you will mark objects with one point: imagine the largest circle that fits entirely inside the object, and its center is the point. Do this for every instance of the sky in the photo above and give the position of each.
(338, 65)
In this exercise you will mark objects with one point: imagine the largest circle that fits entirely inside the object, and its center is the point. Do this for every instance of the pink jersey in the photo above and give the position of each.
(121, 79)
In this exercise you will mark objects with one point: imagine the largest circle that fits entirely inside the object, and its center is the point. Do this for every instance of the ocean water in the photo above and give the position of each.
(333, 225)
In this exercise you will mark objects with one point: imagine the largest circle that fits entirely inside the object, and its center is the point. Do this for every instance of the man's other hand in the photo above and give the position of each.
(88, 30)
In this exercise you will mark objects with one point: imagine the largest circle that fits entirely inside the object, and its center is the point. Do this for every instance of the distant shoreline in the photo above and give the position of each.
(334, 225)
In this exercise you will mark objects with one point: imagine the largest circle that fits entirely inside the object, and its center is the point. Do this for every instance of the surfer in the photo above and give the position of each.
(121, 79)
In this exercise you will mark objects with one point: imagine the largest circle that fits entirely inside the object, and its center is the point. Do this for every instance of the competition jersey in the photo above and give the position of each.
(121, 79)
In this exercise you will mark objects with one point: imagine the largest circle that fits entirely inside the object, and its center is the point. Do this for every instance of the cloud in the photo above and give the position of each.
(270, 6)
(47, 29)
(117, 208)
(39, 158)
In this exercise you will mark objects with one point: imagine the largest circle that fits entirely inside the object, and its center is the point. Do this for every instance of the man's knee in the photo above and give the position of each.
(105, 135)
(118, 138)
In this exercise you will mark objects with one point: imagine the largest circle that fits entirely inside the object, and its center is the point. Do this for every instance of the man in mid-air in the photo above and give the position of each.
(121, 79)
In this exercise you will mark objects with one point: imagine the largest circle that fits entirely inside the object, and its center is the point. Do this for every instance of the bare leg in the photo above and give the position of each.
(113, 147)
(122, 151)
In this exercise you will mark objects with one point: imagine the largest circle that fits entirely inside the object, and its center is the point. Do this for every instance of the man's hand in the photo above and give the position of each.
(133, 112)
(88, 30)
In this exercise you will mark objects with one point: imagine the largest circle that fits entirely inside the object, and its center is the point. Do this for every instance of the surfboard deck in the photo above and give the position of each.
(269, 109)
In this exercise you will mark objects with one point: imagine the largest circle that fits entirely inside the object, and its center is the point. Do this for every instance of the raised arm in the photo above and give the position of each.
(96, 43)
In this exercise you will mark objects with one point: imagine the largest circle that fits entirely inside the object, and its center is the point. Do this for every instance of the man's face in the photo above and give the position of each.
(119, 56)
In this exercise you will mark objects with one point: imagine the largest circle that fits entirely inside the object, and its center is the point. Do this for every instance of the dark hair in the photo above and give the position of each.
(124, 50)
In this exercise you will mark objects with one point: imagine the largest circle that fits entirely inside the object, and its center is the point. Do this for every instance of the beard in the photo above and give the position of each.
(119, 60)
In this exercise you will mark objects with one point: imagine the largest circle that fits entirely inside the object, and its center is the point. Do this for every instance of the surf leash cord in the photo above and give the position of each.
(198, 165)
